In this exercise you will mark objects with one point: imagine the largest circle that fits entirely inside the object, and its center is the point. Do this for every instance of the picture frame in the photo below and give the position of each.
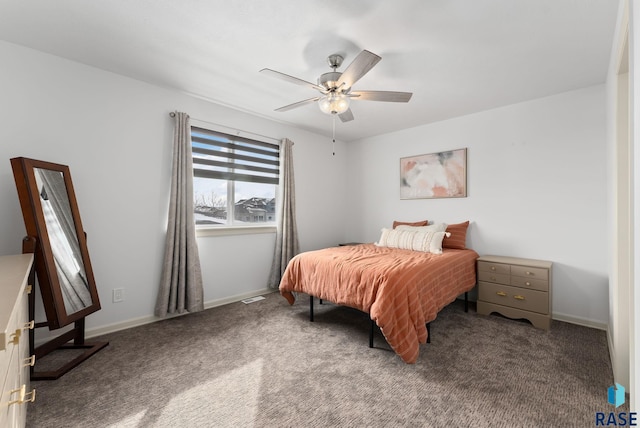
(434, 175)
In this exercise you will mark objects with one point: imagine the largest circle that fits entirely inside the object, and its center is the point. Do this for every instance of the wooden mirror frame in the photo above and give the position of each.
(32, 211)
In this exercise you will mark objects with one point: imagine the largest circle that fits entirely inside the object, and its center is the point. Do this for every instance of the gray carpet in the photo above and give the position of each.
(265, 365)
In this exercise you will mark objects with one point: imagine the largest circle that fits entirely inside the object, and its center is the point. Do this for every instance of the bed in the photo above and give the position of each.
(401, 289)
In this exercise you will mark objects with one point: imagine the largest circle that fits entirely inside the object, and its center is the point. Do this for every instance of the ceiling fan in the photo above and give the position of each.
(335, 87)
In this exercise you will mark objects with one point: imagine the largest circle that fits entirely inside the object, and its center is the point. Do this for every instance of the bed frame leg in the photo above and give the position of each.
(428, 332)
(373, 324)
(466, 301)
(311, 308)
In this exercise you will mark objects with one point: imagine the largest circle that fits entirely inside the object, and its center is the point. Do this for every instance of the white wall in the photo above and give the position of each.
(536, 182)
(536, 189)
(115, 135)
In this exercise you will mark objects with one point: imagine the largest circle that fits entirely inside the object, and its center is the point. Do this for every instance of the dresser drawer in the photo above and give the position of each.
(493, 267)
(519, 298)
(14, 337)
(5, 365)
(10, 412)
(499, 278)
(532, 284)
(530, 272)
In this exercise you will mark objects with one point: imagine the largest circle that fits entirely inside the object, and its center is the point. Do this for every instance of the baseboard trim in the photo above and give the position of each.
(612, 355)
(580, 321)
(136, 322)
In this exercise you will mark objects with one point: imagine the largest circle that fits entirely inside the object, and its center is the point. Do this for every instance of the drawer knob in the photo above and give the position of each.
(501, 293)
(29, 362)
(529, 273)
(23, 396)
(16, 337)
(518, 297)
(527, 283)
(493, 268)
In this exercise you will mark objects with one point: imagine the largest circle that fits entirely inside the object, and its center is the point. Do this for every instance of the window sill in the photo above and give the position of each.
(237, 230)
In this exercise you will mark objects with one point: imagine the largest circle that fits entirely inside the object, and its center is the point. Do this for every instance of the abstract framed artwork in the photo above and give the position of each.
(434, 175)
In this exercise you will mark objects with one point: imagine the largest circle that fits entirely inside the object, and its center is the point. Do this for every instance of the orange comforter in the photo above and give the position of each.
(401, 290)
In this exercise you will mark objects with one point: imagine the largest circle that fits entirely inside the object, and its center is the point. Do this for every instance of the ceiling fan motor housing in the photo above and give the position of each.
(330, 80)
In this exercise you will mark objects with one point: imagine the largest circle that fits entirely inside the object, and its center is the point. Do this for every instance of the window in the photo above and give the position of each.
(235, 179)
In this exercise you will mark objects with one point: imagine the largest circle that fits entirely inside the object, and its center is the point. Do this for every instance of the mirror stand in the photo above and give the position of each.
(58, 343)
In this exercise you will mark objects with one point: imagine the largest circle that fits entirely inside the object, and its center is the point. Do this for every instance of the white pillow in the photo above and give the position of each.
(427, 242)
(436, 227)
(394, 238)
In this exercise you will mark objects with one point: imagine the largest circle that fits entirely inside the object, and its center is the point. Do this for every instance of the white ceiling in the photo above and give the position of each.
(456, 56)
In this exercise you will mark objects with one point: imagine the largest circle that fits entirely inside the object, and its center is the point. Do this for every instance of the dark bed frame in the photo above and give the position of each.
(373, 324)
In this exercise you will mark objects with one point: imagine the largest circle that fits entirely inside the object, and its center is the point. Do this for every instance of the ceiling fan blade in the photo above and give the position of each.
(298, 104)
(360, 66)
(346, 116)
(391, 96)
(292, 79)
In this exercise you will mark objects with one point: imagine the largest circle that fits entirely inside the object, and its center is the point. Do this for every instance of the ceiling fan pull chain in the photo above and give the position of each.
(334, 133)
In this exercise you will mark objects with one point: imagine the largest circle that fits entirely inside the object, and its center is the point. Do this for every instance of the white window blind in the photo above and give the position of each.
(235, 179)
(228, 157)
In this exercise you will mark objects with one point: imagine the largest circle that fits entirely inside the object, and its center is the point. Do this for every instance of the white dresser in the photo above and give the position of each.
(15, 361)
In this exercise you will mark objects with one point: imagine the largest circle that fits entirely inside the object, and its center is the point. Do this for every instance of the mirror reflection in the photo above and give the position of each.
(63, 239)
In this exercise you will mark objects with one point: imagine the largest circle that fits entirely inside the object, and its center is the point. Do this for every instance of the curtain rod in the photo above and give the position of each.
(237, 131)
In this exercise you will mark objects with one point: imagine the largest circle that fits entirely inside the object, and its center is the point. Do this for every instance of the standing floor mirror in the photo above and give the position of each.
(56, 237)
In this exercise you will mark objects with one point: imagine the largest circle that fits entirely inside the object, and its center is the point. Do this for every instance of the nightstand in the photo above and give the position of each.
(515, 288)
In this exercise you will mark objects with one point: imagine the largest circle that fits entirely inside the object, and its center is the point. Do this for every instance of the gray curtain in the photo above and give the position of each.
(287, 244)
(181, 283)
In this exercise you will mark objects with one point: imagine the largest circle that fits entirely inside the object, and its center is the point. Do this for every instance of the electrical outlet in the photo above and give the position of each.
(118, 295)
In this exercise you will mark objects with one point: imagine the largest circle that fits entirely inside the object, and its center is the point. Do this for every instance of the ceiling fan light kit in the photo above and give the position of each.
(334, 103)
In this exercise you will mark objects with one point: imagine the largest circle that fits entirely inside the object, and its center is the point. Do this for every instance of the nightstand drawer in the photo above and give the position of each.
(530, 272)
(493, 267)
(499, 278)
(528, 300)
(533, 284)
